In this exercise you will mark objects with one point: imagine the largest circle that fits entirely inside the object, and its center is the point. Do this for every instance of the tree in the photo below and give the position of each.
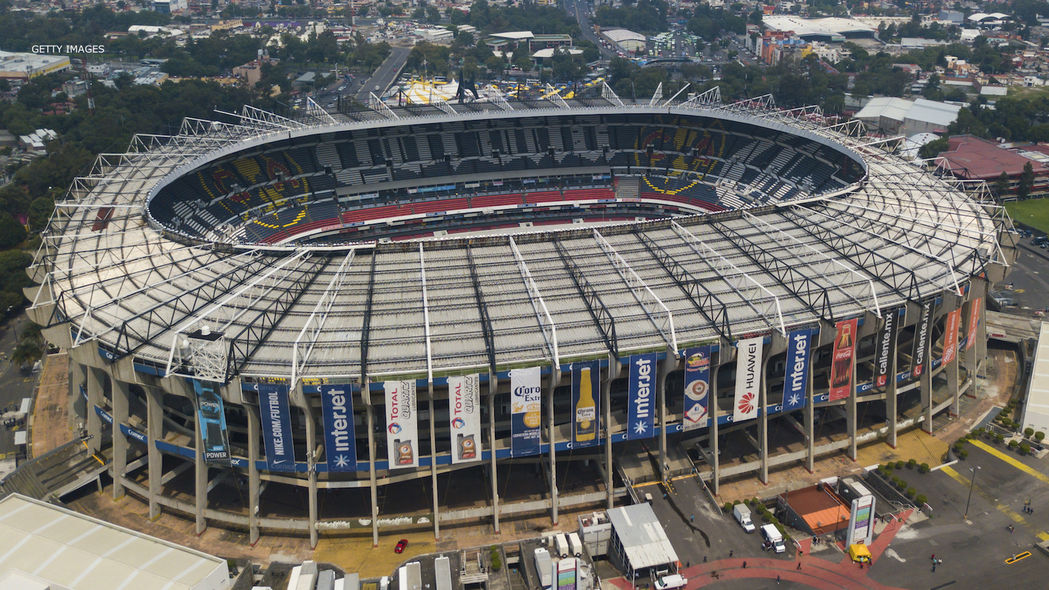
(11, 232)
(933, 148)
(1023, 190)
(1001, 186)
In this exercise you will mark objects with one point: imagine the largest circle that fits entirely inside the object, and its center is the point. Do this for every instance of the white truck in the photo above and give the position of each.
(772, 536)
(670, 581)
(544, 567)
(741, 512)
(561, 542)
(575, 544)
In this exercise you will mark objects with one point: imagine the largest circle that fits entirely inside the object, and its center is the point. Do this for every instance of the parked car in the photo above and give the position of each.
(401, 546)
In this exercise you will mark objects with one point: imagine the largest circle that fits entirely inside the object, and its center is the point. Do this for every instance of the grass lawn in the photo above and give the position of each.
(1032, 212)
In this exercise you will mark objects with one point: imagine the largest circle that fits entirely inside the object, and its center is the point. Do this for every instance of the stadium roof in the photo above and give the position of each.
(644, 541)
(43, 546)
(813, 27)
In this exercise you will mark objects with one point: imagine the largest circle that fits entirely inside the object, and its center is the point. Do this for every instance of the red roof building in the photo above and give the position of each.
(973, 158)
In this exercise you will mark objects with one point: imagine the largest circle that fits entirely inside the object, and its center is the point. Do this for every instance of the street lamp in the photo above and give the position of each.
(972, 482)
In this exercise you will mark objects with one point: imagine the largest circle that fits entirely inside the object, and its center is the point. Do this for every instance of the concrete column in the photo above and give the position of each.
(714, 411)
(433, 469)
(809, 411)
(493, 386)
(154, 432)
(925, 388)
(763, 426)
(850, 402)
(311, 467)
(606, 409)
(200, 476)
(967, 354)
(78, 379)
(254, 432)
(663, 369)
(891, 412)
(120, 410)
(555, 378)
(94, 399)
(366, 398)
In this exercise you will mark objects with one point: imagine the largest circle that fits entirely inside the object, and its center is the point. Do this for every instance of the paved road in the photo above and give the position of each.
(1029, 277)
(580, 9)
(385, 74)
(13, 384)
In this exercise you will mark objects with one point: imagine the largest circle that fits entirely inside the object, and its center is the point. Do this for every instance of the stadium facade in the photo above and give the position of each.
(296, 326)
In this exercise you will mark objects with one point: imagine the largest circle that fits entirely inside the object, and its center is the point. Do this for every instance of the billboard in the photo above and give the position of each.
(697, 387)
(340, 443)
(950, 336)
(885, 345)
(841, 361)
(402, 436)
(526, 397)
(796, 369)
(861, 520)
(748, 378)
(922, 333)
(641, 391)
(212, 416)
(586, 405)
(974, 321)
(464, 417)
(276, 426)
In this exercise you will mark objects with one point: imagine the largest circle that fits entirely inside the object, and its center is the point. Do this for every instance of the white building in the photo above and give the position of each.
(1036, 410)
(639, 545)
(905, 117)
(626, 39)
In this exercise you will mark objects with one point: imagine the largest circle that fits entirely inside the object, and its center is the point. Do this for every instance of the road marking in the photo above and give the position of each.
(1043, 536)
(1018, 557)
(1011, 460)
(1012, 514)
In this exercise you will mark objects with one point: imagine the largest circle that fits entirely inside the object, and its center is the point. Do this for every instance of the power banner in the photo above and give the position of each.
(950, 336)
(586, 393)
(464, 415)
(212, 416)
(748, 378)
(276, 426)
(796, 371)
(974, 321)
(922, 335)
(641, 391)
(526, 397)
(340, 443)
(885, 346)
(402, 433)
(697, 387)
(841, 360)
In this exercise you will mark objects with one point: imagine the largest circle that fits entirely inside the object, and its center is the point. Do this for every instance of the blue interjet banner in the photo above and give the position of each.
(276, 426)
(641, 397)
(340, 445)
(796, 371)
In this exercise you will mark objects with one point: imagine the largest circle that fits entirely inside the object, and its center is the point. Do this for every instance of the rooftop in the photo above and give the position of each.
(645, 543)
(975, 158)
(816, 26)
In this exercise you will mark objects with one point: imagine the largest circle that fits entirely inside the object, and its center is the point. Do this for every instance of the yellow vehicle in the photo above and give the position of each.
(859, 553)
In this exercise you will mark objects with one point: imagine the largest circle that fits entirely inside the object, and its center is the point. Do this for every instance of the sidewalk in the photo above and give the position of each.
(50, 421)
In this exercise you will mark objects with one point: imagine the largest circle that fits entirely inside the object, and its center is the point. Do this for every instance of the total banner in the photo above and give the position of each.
(641, 420)
(464, 416)
(212, 415)
(796, 371)
(526, 397)
(922, 333)
(586, 405)
(841, 361)
(885, 346)
(697, 387)
(748, 378)
(276, 426)
(974, 321)
(402, 432)
(340, 443)
(950, 336)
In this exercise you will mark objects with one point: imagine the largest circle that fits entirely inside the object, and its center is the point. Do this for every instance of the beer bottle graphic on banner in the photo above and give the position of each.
(586, 409)
(843, 357)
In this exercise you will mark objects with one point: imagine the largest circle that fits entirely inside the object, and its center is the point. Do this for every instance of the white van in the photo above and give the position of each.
(670, 582)
(772, 535)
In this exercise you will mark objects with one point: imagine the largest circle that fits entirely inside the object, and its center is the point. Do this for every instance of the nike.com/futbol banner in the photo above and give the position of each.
(526, 397)
(464, 415)
(697, 387)
(641, 392)
(340, 444)
(748, 378)
(841, 361)
(796, 371)
(402, 432)
(276, 426)
(885, 346)
(922, 335)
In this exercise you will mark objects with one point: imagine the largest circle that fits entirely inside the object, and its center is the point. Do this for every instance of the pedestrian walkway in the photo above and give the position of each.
(50, 422)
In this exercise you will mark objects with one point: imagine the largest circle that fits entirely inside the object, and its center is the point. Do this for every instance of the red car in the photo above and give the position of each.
(401, 545)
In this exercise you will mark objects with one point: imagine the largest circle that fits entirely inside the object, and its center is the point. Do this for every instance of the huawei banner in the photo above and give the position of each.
(212, 415)
(974, 321)
(697, 387)
(748, 378)
(402, 432)
(922, 333)
(526, 396)
(885, 345)
(796, 371)
(950, 336)
(641, 393)
(586, 393)
(464, 416)
(276, 426)
(841, 361)
(340, 443)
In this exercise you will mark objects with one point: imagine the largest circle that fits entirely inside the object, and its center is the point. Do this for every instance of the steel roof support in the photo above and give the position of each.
(602, 318)
(314, 111)
(375, 103)
(709, 97)
(426, 314)
(314, 325)
(608, 94)
(657, 95)
(482, 309)
(548, 327)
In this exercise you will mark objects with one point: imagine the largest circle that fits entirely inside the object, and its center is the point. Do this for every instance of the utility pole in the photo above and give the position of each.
(972, 482)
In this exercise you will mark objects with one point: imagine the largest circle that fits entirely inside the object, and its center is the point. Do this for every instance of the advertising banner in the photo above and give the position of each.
(641, 393)
(950, 336)
(212, 415)
(526, 398)
(748, 378)
(402, 433)
(340, 443)
(464, 416)
(796, 370)
(841, 361)
(861, 520)
(922, 333)
(586, 405)
(276, 426)
(885, 346)
(974, 321)
(697, 387)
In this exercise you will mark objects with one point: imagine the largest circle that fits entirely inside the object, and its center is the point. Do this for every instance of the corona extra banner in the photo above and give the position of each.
(641, 393)
(464, 416)
(276, 426)
(950, 336)
(974, 321)
(586, 404)
(748, 378)
(922, 333)
(885, 345)
(526, 398)
(212, 415)
(796, 370)
(340, 443)
(841, 360)
(697, 388)
(402, 432)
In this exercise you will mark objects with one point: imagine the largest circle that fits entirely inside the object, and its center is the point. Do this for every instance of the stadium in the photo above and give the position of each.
(464, 313)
